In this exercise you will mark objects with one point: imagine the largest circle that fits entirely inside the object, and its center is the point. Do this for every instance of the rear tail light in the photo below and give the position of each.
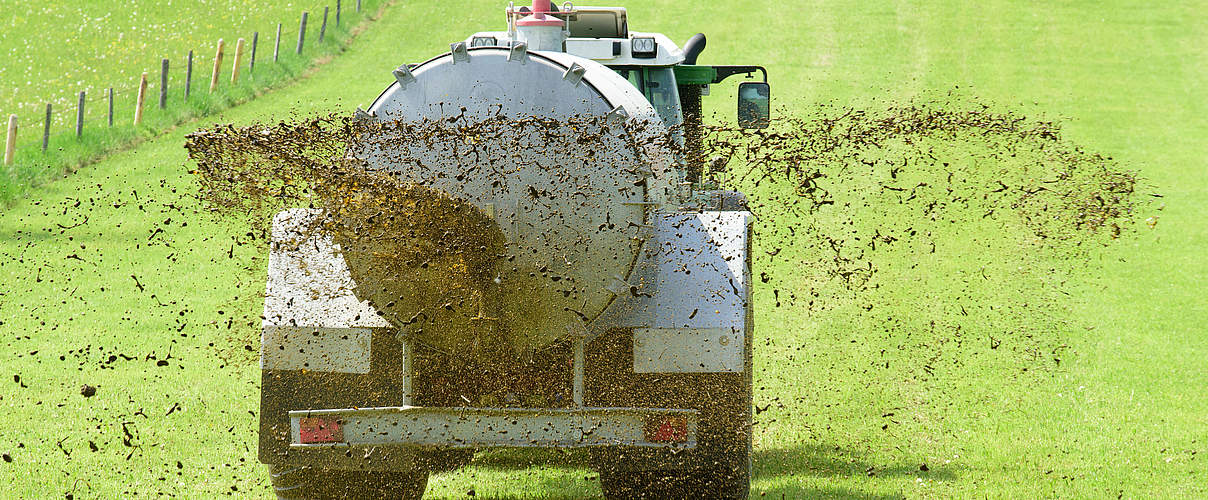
(320, 430)
(667, 429)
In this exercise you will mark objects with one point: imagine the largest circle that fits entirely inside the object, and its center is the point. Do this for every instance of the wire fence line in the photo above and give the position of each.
(174, 82)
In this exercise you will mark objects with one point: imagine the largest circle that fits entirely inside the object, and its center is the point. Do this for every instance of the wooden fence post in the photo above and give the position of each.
(142, 96)
(11, 143)
(302, 32)
(238, 60)
(323, 27)
(110, 106)
(188, 74)
(46, 129)
(80, 116)
(255, 40)
(163, 84)
(217, 66)
(277, 44)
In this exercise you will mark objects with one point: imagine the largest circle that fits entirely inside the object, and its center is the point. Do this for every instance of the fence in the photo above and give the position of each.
(243, 57)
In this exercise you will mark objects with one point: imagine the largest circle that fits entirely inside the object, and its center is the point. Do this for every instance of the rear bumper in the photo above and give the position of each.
(456, 427)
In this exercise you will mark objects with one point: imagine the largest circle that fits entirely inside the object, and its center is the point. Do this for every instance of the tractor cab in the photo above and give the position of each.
(658, 85)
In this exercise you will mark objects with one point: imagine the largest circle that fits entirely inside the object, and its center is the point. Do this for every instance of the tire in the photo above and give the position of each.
(674, 485)
(305, 483)
(651, 485)
(445, 460)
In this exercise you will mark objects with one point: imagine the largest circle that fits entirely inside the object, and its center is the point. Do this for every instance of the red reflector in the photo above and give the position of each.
(320, 430)
(669, 429)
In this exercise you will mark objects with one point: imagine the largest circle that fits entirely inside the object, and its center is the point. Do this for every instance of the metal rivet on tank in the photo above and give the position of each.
(618, 285)
(617, 115)
(574, 74)
(403, 75)
(459, 51)
(518, 52)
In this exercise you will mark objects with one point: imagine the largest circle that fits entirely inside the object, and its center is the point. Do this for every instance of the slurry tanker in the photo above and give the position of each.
(616, 320)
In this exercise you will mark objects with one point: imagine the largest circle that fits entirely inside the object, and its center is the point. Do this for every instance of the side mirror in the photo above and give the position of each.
(754, 109)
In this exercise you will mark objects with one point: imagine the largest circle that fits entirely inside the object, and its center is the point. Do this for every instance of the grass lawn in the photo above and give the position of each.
(101, 45)
(114, 277)
(107, 50)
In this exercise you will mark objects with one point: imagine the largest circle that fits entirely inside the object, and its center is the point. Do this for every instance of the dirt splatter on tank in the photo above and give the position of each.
(569, 218)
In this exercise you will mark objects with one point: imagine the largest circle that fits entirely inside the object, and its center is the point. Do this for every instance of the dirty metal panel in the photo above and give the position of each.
(687, 350)
(342, 350)
(499, 427)
(692, 273)
(688, 294)
(312, 320)
(308, 281)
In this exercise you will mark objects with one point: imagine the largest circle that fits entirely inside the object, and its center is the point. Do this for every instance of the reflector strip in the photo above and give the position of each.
(319, 430)
(667, 429)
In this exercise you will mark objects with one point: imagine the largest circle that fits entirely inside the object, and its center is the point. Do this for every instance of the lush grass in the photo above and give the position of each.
(1123, 413)
(100, 45)
(105, 48)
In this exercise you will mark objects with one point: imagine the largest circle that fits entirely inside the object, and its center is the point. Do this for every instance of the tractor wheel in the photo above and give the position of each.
(444, 461)
(299, 482)
(659, 485)
(649, 485)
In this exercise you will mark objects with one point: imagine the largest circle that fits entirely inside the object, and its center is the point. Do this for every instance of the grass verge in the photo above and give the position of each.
(67, 152)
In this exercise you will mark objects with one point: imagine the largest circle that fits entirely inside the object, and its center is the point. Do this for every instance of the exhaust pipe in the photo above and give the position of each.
(693, 48)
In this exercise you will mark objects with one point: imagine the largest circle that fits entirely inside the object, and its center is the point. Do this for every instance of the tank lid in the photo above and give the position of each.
(539, 16)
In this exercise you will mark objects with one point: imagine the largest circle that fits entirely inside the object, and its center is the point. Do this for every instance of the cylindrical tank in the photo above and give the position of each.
(569, 201)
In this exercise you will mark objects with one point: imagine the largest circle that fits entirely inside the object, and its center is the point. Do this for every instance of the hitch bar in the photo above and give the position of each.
(461, 427)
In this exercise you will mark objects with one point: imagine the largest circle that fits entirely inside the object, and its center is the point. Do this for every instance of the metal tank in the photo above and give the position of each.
(573, 219)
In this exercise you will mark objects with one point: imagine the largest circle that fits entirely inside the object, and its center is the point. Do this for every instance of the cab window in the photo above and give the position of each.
(658, 85)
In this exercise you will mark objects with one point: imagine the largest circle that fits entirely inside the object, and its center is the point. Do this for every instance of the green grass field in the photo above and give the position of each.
(101, 45)
(115, 277)
(102, 48)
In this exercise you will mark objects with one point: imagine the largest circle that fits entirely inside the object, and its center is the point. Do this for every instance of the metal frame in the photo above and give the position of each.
(580, 342)
(433, 427)
(727, 71)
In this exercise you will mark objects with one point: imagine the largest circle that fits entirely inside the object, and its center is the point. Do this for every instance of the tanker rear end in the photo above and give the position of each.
(610, 313)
